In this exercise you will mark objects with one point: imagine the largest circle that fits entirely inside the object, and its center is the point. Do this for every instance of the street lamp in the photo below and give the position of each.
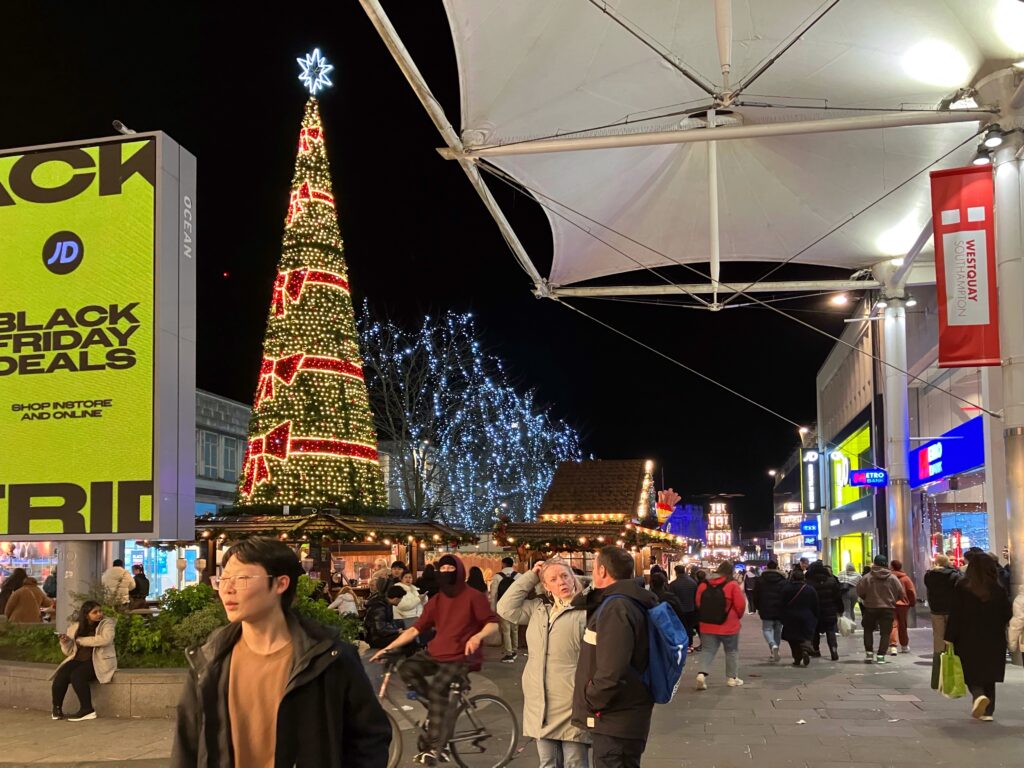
(772, 473)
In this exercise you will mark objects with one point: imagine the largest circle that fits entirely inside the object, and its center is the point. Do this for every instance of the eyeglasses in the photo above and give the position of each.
(241, 583)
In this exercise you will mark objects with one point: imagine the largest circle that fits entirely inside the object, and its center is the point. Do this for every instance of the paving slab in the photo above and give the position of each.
(846, 708)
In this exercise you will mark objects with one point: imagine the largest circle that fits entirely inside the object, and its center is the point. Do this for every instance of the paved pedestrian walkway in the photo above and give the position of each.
(843, 714)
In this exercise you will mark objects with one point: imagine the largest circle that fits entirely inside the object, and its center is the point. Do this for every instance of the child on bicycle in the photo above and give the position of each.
(462, 618)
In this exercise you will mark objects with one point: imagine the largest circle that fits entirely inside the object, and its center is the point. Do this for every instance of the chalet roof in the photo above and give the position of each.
(595, 487)
(325, 524)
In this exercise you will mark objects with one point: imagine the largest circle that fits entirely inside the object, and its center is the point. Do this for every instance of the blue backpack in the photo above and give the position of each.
(667, 642)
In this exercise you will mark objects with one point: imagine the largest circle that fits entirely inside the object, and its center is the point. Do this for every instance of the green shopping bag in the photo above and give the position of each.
(951, 674)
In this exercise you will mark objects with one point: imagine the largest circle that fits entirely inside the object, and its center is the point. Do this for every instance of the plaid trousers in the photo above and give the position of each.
(414, 671)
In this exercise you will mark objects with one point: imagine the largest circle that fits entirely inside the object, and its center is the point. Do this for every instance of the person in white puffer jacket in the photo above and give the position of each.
(1016, 633)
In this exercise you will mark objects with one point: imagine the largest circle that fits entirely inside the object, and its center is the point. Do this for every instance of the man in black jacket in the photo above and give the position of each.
(685, 588)
(271, 688)
(830, 607)
(137, 595)
(610, 698)
(767, 601)
(939, 584)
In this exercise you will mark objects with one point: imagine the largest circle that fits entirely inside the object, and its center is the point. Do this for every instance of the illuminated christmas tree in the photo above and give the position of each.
(311, 436)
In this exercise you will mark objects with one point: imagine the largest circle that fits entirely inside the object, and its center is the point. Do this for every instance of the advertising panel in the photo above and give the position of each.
(91, 360)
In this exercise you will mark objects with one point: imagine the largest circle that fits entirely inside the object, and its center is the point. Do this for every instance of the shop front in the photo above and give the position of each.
(852, 485)
(947, 475)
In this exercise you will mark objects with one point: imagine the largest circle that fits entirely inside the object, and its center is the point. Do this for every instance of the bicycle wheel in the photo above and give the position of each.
(395, 748)
(485, 734)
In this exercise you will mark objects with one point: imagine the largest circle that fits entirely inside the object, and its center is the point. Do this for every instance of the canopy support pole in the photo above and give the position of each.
(724, 133)
(713, 232)
(401, 55)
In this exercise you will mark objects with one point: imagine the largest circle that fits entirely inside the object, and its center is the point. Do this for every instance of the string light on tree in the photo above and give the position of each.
(474, 447)
(311, 436)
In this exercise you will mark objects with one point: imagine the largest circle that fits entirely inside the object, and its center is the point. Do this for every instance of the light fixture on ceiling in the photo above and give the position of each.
(993, 137)
(982, 157)
(936, 62)
(911, 301)
(899, 238)
(897, 262)
(881, 303)
(1008, 22)
(839, 300)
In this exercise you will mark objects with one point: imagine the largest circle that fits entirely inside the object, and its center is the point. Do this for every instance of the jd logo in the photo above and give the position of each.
(63, 252)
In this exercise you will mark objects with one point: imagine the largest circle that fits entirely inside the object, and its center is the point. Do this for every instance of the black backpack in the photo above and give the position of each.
(506, 582)
(712, 604)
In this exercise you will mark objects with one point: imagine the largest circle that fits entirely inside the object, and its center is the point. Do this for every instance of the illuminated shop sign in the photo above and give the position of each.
(958, 450)
(877, 478)
(809, 481)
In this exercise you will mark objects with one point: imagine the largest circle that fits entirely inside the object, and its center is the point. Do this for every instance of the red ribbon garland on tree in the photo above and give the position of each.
(305, 194)
(279, 444)
(288, 286)
(286, 369)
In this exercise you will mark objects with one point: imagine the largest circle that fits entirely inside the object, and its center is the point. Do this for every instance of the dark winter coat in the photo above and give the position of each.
(767, 596)
(379, 622)
(610, 696)
(830, 595)
(940, 583)
(328, 716)
(668, 596)
(799, 612)
(977, 630)
(685, 588)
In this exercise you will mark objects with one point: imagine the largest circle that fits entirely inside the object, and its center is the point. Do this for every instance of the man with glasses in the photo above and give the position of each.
(462, 619)
(272, 688)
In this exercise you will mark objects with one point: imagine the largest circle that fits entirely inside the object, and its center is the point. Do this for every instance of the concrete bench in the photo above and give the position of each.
(138, 693)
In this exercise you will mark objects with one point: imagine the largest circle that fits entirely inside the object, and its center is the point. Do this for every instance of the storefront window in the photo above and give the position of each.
(38, 558)
(956, 514)
(161, 566)
(853, 453)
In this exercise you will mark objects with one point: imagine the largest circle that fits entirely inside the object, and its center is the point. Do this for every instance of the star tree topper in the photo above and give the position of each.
(314, 72)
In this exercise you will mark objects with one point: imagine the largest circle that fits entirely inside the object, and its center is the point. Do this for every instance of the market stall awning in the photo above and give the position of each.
(531, 71)
(330, 526)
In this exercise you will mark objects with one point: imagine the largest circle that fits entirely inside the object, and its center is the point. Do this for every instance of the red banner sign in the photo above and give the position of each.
(965, 267)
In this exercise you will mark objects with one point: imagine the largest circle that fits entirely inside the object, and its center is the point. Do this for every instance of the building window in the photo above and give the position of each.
(230, 464)
(210, 444)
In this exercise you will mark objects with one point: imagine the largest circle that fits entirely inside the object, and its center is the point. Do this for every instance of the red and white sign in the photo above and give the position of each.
(965, 267)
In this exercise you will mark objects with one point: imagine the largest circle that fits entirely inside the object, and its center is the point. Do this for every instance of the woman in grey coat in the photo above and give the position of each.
(554, 635)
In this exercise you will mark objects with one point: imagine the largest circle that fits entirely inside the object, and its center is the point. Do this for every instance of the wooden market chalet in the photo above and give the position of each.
(591, 504)
(349, 544)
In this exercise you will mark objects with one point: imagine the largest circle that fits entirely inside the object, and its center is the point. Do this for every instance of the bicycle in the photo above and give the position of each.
(483, 733)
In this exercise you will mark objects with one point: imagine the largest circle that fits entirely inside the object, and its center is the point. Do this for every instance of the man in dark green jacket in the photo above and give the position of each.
(271, 688)
(610, 698)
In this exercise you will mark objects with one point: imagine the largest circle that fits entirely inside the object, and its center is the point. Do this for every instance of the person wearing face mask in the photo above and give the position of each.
(461, 618)
(554, 635)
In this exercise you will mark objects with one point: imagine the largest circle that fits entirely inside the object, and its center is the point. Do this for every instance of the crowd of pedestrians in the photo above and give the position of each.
(270, 675)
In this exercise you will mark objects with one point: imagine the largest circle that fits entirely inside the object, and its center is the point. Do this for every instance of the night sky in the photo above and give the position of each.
(417, 238)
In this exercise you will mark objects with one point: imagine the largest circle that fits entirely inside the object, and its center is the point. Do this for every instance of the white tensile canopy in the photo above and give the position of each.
(601, 110)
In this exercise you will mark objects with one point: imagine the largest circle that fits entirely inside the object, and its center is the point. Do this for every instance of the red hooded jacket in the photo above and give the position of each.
(735, 605)
(456, 617)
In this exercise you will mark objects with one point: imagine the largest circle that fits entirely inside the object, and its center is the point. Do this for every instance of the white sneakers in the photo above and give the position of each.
(904, 649)
(892, 650)
(986, 718)
(702, 682)
(775, 653)
(978, 710)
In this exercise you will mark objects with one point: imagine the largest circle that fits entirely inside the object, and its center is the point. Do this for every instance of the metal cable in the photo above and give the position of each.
(536, 196)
